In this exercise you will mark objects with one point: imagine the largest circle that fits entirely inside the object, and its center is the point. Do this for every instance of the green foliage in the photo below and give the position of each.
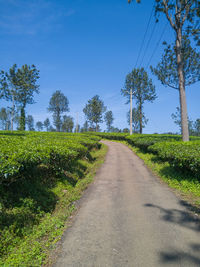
(167, 69)
(109, 119)
(94, 110)
(185, 156)
(20, 154)
(67, 124)
(36, 201)
(47, 124)
(30, 123)
(58, 104)
(142, 90)
(22, 120)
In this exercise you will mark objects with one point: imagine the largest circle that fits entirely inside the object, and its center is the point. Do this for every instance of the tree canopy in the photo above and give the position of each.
(94, 111)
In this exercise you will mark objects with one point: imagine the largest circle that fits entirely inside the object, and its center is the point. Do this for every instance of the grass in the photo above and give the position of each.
(184, 184)
(33, 216)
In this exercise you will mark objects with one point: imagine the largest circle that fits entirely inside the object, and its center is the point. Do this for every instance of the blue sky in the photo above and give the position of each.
(84, 48)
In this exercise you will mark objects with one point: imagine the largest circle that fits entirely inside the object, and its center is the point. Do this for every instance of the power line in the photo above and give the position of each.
(149, 41)
(141, 47)
(157, 44)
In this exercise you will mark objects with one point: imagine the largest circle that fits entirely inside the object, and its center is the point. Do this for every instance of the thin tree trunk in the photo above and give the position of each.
(182, 95)
(140, 112)
(131, 113)
(13, 111)
(96, 127)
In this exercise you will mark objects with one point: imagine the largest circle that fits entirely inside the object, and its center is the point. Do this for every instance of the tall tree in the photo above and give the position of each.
(183, 17)
(136, 120)
(109, 119)
(47, 124)
(94, 111)
(142, 89)
(67, 124)
(9, 82)
(166, 69)
(27, 83)
(30, 123)
(39, 126)
(58, 104)
(5, 118)
(197, 127)
(177, 120)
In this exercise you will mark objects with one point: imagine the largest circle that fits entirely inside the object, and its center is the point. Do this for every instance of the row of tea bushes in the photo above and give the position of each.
(21, 152)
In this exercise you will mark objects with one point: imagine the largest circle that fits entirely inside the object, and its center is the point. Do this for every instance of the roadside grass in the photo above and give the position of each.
(34, 215)
(185, 184)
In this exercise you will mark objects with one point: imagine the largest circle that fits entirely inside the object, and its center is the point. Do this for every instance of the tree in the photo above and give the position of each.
(167, 73)
(27, 83)
(85, 127)
(177, 120)
(5, 118)
(136, 120)
(47, 124)
(109, 119)
(58, 104)
(39, 126)
(30, 123)
(94, 111)
(9, 82)
(197, 127)
(183, 17)
(67, 124)
(142, 89)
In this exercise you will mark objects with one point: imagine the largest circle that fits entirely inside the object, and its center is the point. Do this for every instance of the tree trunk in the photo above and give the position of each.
(131, 113)
(182, 95)
(140, 112)
(22, 122)
(13, 112)
(96, 127)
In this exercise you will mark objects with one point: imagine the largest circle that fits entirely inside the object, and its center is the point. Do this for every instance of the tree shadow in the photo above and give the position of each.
(185, 219)
(178, 256)
(181, 217)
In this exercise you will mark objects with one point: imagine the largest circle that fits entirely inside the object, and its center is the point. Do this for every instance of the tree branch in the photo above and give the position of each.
(167, 14)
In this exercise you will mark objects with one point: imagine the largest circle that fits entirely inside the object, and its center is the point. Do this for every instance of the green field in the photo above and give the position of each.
(41, 175)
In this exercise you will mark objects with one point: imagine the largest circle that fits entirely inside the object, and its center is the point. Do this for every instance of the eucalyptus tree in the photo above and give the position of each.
(30, 123)
(47, 124)
(109, 119)
(67, 124)
(166, 70)
(94, 111)
(39, 126)
(27, 83)
(9, 82)
(142, 89)
(183, 17)
(136, 120)
(58, 104)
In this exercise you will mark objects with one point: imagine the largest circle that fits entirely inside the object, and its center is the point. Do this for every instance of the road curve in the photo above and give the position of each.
(128, 218)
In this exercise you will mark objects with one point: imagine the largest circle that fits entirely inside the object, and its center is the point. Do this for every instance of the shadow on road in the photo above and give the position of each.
(181, 217)
(184, 219)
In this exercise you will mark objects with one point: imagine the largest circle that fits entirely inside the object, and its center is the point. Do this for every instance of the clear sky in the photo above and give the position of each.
(86, 47)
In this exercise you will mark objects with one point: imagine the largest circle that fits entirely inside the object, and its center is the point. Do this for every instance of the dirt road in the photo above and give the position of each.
(128, 218)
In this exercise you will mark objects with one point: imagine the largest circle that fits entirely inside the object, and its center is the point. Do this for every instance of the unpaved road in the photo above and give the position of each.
(128, 218)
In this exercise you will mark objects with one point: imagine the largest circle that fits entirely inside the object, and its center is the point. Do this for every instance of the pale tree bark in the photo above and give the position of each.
(182, 94)
(177, 26)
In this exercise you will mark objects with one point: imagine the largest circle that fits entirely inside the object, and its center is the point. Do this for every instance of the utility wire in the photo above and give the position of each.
(157, 44)
(141, 47)
(148, 43)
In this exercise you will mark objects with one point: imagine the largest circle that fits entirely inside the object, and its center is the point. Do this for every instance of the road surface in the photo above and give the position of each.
(129, 218)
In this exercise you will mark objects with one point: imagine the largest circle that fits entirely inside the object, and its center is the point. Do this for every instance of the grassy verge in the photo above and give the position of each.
(31, 228)
(184, 183)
